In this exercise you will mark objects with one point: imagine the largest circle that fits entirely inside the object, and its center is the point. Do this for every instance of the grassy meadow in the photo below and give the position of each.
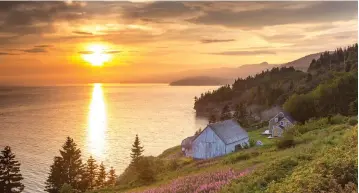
(320, 155)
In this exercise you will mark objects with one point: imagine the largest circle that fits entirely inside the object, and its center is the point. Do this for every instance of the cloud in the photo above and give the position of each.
(43, 46)
(283, 37)
(6, 53)
(243, 53)
(294, 12)
(35, 50)
(158, 10)
(86, 52)
(113, 52)
(207, 41)
(82, 33)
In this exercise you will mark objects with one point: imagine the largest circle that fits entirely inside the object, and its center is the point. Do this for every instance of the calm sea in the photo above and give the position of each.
(102, 119)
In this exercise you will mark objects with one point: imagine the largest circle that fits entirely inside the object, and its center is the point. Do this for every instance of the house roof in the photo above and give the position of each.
(229, 131)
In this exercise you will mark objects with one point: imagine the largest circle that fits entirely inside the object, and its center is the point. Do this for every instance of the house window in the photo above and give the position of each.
(282, 123)
(276, 119)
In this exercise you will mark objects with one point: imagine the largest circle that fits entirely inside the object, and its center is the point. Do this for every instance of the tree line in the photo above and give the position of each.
(285, 85)
(68, 173)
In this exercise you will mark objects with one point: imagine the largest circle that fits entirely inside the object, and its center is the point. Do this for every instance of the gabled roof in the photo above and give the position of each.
(286, 115)
(229, 131)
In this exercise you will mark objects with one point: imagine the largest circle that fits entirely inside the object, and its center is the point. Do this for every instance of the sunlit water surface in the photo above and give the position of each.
(102, 119)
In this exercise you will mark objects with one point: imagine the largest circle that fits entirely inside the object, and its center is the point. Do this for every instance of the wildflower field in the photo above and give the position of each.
(199, 183)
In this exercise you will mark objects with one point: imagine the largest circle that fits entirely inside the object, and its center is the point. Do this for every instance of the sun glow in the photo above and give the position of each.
(96, 55)
(97, 121)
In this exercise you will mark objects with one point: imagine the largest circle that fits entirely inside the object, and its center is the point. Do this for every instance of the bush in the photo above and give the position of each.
(337, 119)
(286, 142)
(173, 165)
(353, 121)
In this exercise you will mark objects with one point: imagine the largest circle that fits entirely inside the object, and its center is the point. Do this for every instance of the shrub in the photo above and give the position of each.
(173, 165)
(353, 121)
(286, 142)
(337, 119)
(252, 143)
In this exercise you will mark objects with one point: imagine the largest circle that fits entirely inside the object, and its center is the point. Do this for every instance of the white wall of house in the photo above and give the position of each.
(208, 145)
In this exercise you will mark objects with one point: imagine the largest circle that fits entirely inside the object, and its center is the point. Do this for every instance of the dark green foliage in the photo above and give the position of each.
(285, 142)
(198, 132)
(66, 189)
(320, 102)
(67, 168)
(101, 176)
(112, 178)
(137, 149)
(333, 77)
(144, 170)
(263, 89)
(212, 119)
(226, 113)
(307, 107)
(353, 121)
(91, 172)
(10, 176)
(68, 174)
(173, 165)
(353, 107)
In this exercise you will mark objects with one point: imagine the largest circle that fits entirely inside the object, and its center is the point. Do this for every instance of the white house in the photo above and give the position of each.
(218, 139)
(280, 123)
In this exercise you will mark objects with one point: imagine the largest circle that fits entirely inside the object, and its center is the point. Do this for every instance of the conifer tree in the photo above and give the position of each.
(226, 113)
(136, 150)
(67, 168)
(91, 172)
(10, 176)
(111, 177)
(237, 113)
(212, 119)
(56, 179)
(101, 176)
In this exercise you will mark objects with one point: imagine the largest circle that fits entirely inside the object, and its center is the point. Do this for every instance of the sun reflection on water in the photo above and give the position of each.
(97, 122)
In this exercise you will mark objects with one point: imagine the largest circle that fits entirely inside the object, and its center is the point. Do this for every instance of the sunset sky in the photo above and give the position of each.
(64, 42)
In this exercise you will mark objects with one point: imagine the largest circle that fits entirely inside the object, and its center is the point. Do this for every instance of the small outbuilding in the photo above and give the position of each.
(187, 146)
(218, 139)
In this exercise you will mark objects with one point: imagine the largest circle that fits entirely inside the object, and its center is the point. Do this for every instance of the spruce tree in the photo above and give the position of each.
(111, 177)
(226, 113)
(10, 176)
(91, 172)
(136, 150)
(101, 176)
(56, 177)
(67, 168)
(237, 114)
(212, 119)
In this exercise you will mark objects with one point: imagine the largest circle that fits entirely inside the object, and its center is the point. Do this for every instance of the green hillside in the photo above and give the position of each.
(320, 155)
(274, 87)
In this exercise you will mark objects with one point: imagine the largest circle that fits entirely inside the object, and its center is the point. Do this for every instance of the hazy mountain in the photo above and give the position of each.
(302, 63)
(201, 81)
(227, 75)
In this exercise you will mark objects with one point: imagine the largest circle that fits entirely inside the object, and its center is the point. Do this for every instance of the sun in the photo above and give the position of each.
(96, 55)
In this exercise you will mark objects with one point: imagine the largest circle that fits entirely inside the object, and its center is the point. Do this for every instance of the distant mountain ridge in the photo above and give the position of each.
(302, 63)
(226, 75)
(201, 81)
